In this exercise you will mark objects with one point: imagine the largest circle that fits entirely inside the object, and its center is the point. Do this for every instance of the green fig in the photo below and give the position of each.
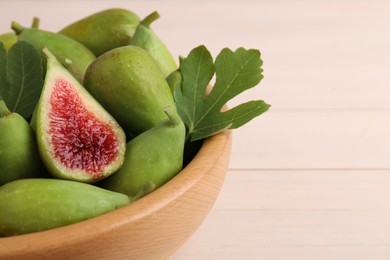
(77, 138)
(10, 38)
(147, 39)
(64, 48)
(152, 158)
(32, 205)
(105, 30)
(128, 83)
(18, 149)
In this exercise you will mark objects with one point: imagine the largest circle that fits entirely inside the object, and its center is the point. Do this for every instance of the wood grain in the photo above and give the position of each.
(295, 214)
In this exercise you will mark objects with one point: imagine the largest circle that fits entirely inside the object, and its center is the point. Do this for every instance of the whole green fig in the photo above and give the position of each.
(130, 86)
(18, 148)
(105, 30)
(152, 158)
(147, 39)
(32, 205)
(68, 51)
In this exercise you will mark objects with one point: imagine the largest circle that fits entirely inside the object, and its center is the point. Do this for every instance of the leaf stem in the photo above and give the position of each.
(188, 137)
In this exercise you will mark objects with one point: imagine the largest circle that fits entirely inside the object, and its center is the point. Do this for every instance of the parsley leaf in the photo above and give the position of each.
(24, 76)
(235, 72)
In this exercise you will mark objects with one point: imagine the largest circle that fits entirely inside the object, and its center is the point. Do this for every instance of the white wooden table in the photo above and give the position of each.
(310, 179)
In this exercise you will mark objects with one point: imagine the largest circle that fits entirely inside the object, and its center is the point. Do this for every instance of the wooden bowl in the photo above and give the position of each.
(151, 228)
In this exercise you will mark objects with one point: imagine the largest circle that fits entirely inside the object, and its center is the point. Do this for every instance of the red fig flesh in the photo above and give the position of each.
(77, 138)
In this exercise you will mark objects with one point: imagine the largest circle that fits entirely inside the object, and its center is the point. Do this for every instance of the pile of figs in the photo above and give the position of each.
(105, 131)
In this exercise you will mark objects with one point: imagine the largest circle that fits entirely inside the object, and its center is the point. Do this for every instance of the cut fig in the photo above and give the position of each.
(77, 138)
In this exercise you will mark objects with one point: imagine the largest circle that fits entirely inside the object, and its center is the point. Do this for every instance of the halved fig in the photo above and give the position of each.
(77, 138)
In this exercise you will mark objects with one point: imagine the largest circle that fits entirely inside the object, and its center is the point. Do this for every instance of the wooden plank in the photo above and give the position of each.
(314, 139)
(305, 214)
(317, 190)
(280, 235)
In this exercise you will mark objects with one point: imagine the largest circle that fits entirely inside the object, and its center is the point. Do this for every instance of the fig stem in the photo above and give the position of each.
(150, 18)
(35, 23)
(48, 54)
(173, 117)
(17, 27)
(67, 63)
(4, 109)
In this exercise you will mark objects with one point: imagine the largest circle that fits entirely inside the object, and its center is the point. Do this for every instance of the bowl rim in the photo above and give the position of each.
(209, 154)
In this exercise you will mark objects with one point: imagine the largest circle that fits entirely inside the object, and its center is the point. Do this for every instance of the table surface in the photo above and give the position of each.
(309, 179)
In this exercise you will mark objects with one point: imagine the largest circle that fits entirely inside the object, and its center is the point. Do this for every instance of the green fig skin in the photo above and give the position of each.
(32, 205)
(33, 120)
(18, 148)
(128, 84)
(147, 39)
(152, 159)
(77, 138)
(64, 48)
(8, 39)
(105, 30)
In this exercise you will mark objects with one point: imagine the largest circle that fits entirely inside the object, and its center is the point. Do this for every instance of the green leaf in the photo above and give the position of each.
(3, 65)
(197, 70)
(235, 72)
(25, 77)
